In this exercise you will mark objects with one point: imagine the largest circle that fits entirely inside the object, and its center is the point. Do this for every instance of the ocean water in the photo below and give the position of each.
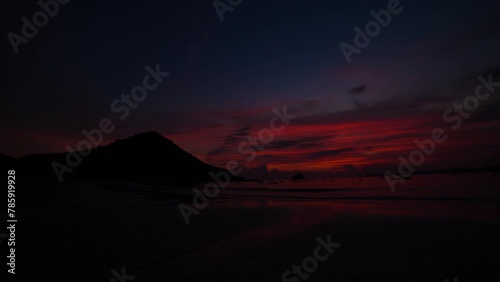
(445, 185)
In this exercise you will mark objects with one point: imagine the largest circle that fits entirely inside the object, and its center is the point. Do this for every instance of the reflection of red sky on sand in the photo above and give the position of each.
(305, 214)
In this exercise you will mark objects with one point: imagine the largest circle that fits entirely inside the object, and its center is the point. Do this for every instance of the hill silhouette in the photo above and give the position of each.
(143, 157)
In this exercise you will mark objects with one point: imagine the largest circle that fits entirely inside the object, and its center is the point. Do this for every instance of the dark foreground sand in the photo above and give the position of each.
(81, 232)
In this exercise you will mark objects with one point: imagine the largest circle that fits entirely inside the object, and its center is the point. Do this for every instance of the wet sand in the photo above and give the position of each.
(81, 232)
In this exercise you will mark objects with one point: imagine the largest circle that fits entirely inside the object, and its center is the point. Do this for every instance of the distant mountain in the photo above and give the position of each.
(144, 157)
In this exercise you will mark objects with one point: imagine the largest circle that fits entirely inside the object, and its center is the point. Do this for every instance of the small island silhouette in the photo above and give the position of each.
(298, 176)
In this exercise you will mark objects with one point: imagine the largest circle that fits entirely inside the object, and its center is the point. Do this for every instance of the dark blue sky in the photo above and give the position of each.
(229, 75)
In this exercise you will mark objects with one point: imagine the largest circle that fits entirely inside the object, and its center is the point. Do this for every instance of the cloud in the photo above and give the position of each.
(357, 90)
(329, 153)
(304, 142)
(309, 145)
(233, 138)
(236, 136)
(218, 151)
(360, 105)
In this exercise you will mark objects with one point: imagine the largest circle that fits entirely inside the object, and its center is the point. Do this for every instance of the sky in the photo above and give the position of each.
(226, 77)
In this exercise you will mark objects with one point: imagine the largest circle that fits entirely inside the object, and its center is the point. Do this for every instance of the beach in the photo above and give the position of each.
(81, 232)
